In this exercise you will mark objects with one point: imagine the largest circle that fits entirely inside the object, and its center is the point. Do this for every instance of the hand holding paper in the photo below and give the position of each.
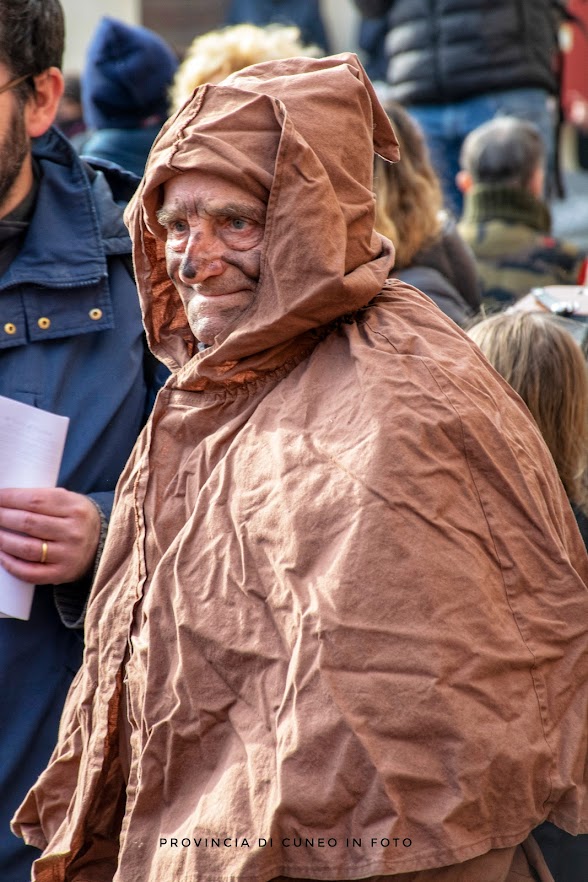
(68, 522)
(31, 447)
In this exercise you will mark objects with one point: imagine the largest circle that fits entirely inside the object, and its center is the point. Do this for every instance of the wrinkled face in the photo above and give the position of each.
(214, 234)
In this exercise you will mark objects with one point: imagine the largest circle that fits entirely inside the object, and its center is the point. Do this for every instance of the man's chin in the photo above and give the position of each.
(206, 329)
(212, 315)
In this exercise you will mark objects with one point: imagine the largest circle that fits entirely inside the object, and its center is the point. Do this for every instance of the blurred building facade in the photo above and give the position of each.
(81, 20)
(179, 21)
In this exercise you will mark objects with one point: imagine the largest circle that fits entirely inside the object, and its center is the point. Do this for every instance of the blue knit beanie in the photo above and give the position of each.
(127, 73)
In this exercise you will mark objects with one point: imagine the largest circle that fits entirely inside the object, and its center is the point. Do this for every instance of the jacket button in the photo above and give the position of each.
(95, 314)
(9, 328)
(44, 323)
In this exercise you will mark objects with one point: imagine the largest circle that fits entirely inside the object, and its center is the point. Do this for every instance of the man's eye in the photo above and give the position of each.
(239, 223)
(178, 227)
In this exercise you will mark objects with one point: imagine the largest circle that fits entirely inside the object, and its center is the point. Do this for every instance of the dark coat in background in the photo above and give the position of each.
(305, 14)
(445, 270)
(441, 51)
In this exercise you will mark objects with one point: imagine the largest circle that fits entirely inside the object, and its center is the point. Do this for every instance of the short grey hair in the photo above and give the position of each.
(504, 151)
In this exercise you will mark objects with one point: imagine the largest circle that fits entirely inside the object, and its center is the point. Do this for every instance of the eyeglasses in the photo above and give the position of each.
(11, 84)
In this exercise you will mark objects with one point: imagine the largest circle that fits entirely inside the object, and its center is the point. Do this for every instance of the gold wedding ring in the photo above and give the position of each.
(44, 552)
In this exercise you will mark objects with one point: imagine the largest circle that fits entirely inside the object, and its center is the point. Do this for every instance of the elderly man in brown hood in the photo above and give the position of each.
(339, 628)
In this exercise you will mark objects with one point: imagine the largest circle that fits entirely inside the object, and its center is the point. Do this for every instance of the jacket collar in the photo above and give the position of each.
(75, 218)
(488, 203)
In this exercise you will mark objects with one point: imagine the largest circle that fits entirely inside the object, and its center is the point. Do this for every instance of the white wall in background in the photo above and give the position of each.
(82, 16)
(341, 20)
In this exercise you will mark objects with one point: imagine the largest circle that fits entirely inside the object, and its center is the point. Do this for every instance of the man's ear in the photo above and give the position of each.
(41, 106)
(464, 181)
(537, 182)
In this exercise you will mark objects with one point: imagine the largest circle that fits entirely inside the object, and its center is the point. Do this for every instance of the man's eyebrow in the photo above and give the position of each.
(235, 209)
(166, 216)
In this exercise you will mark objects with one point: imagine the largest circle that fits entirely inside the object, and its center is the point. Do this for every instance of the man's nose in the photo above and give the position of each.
(202, 258)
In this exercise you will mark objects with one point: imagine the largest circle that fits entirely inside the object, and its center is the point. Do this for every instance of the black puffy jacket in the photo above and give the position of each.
(445, 50)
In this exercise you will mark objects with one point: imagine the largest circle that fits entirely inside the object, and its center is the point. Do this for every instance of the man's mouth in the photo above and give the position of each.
(211, 294)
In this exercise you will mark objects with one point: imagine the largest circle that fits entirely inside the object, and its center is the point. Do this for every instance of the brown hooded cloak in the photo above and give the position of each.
(343, 595)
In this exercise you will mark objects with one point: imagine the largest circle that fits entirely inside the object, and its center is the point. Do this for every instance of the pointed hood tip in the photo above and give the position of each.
(276, 117)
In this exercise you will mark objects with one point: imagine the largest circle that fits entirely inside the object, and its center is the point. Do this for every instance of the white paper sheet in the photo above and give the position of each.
(31, 447)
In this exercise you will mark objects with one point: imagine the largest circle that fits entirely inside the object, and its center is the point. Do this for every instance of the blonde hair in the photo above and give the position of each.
(545, 365)
(408, 193)
(213, 56)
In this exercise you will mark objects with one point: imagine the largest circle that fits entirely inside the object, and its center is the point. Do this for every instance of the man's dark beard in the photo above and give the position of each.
(13, 152)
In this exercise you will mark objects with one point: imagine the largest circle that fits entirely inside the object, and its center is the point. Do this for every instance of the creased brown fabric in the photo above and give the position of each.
(500, 865)
(343, 595)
